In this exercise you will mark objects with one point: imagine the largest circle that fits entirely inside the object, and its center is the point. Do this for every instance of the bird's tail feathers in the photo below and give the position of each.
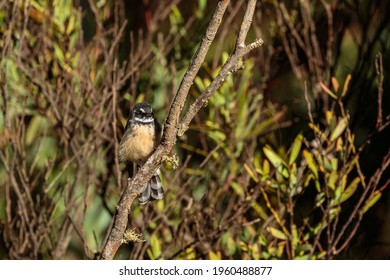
(153, 190)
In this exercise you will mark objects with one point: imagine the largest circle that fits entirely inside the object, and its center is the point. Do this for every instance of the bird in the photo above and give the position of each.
(141, 136)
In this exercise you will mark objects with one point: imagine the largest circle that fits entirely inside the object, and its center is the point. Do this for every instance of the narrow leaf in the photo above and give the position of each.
(256, 251)
(335, 84)
(296, 147)
(346, 84)
(330, 119)
(273, 157)
(155, 246)
(310, 162)
(295, 239)
(318, 131)
(276, 233)
(200, 84)
(251, 173)
(266, 168)
(214, 256)
(327, 90)
(369, 203)
(340, 127)
(231, 245)
(349, 191)
(259, 210)
(308, 179)
(264, 125)
(243, 246)
(332, 179)
(237, 188)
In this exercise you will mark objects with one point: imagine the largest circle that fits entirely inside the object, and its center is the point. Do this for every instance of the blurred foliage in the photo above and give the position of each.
(279, 165)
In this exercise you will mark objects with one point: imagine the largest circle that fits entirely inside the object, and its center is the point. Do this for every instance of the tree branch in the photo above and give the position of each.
(172, 128)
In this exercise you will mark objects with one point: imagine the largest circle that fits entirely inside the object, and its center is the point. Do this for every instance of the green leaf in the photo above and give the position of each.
(243, 246)
(266, 255)
(225, 57)
(310, 162)
(318, 131)
(320, 198)
(321, 255)
(306, 248)
(280, 249)
(155, 246)
(276, 233)
(207, 82)
(334, 212)
(59, 54)
(303, 257)
(219, 100)
(218, 136)
(295, 236)
(317, 184)
(176, 14)
(231, 245)
(190, 254)
(35, 127)
(296, 147)
(248, 128)
(201, 8)
(308, 179)
(262, 240)
(350, 190)
(320, 226)
(332, 178)
(334, 163)
(237, 188)
(251, 173)
(256, 251)
(330, 119)
(215, 256)
(325, 163)
(71, 25)
(200, 84)
(262, 126)
(369, 203)
(340, 188)
(259, 210)
(273, 157)
(340, 127)
(202, 4)
(266, 168)
(282, 170)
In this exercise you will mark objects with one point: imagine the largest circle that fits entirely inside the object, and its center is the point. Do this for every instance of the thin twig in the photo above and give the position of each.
(379, 73)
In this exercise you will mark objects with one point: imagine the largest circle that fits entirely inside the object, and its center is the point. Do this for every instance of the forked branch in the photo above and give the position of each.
(172, 127)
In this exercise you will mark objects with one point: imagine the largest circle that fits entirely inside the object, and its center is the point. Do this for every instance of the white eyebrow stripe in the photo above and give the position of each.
(148, 120)
(142, 110)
